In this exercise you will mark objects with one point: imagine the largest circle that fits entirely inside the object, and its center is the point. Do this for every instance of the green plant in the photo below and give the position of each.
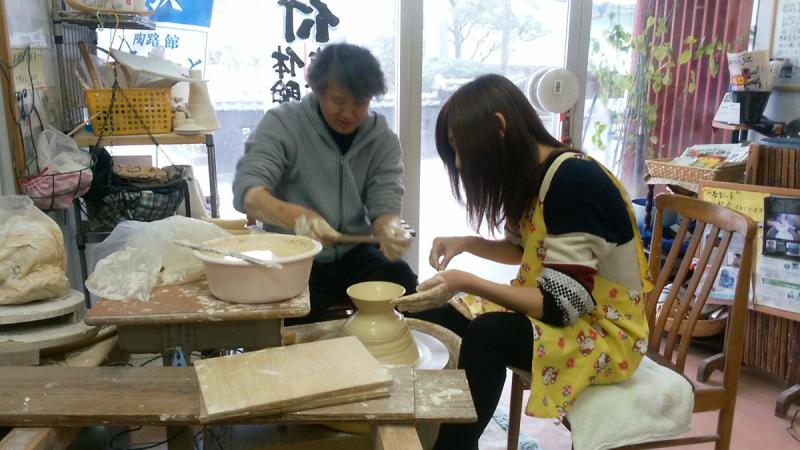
(656, 67)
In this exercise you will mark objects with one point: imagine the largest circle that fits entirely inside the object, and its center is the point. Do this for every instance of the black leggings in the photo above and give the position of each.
(489, 344)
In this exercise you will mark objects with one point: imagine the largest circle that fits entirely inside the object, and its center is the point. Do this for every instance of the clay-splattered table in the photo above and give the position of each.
(189, 316)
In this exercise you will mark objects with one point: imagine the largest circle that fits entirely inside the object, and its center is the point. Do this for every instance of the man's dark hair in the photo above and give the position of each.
(351, 66)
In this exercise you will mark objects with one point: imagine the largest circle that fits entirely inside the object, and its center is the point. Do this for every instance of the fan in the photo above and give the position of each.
(555, 90)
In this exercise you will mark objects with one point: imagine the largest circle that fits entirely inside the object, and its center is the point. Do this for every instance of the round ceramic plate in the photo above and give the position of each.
(433, 355)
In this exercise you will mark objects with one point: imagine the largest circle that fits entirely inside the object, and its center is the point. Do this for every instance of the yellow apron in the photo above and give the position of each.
(602, 347)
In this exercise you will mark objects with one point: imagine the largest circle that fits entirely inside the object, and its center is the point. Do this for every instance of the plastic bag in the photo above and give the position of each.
(32, 257)
(64, 171)
(138, 255)
(58, 153)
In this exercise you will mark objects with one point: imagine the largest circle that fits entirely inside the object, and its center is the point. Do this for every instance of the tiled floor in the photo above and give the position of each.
(755, 426)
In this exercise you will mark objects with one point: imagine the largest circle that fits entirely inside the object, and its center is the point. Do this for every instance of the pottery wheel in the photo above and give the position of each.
(438, 347)
(433, 355)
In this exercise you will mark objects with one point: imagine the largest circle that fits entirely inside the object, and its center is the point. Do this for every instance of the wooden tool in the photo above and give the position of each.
(294, 378)
(357, 239)
(219, 251)
(87, 61)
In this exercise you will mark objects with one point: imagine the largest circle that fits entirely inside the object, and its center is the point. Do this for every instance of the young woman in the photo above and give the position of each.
(575, 314)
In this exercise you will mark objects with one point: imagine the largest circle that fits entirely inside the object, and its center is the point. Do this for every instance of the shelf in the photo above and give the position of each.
(729, 126)
(85, 139)
(126, 21)
(790, 315)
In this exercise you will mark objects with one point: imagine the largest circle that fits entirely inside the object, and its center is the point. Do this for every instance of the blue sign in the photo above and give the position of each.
(187, 12)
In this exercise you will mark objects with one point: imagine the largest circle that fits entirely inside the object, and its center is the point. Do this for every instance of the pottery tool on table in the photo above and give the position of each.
(219, 251)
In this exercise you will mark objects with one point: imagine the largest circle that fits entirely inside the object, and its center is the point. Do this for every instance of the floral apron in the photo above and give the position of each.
(602, 347)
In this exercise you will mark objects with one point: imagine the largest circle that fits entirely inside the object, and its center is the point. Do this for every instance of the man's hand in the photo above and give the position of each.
(430, 294)
(394, 241)
(316, 228)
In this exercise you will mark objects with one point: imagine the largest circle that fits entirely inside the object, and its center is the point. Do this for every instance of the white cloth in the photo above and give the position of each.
(654, 403)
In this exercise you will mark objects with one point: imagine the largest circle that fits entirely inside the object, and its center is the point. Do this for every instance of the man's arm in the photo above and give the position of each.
(260, 204)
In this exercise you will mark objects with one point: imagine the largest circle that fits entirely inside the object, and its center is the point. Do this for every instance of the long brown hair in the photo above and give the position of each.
(499, 172)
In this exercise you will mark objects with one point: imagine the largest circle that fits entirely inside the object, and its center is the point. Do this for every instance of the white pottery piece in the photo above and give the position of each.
(378, 325)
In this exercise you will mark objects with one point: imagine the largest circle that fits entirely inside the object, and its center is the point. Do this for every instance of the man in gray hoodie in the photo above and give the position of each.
(328, 165)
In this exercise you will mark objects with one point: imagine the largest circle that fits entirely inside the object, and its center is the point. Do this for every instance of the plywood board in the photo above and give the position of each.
(443, 395)
(190, 303)
(398, 405)
(71, 303)
(291, 378)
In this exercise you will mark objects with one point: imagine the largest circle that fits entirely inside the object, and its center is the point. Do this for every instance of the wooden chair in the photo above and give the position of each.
(672, 323)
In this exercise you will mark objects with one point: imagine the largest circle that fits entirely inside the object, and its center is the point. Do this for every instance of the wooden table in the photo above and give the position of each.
(170, 396)
(189, 316)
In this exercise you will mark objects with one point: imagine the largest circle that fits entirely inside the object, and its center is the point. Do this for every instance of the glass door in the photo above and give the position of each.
(464, 39)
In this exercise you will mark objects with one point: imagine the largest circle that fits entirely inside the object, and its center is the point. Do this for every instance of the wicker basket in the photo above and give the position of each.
(663, 168)
(135, 111)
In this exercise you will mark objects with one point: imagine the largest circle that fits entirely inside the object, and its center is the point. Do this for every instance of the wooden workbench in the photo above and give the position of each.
(170, 396)
(190, 316)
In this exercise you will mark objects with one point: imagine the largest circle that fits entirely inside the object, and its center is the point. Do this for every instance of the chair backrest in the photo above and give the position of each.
(714, 227)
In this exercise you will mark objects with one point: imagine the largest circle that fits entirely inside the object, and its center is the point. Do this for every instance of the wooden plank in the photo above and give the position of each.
(43, 336)
(784, 343)
(10, 357)
(39, 438)
(46, 396)
(190, 303)
(171, 396)
(398, 405)
(396, 437)
(785, 167)
(443, 395)
(290, 378)
(70, 304)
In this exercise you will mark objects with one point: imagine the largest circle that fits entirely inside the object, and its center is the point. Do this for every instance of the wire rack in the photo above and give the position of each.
(69, 28)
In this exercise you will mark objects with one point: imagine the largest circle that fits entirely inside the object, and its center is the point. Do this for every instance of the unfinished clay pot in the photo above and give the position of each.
(378, 326)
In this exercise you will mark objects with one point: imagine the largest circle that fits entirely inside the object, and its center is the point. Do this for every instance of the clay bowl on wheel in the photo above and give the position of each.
(234, 280)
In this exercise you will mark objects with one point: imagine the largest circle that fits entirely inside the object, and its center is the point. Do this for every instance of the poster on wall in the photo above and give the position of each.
(778, 277)
(181, 30)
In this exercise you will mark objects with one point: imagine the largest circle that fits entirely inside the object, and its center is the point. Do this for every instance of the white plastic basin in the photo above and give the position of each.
(233, 280)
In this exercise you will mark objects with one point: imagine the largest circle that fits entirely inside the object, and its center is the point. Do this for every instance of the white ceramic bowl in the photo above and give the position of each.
(233, 280)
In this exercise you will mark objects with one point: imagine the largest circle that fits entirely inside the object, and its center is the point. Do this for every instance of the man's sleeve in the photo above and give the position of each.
(266, 156)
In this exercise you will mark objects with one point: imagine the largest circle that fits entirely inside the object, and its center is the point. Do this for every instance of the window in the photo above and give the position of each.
(464, 39)
(243, 36)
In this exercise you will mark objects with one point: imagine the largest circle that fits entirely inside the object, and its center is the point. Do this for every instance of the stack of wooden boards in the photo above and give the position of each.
(294, 378)
(29, 328)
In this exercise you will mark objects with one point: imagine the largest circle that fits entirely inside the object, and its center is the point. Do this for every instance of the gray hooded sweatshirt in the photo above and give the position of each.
(293, 154)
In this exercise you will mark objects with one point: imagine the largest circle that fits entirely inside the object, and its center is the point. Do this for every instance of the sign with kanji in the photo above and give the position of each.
(300, 18)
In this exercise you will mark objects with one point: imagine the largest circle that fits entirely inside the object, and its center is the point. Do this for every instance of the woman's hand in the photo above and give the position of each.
(445, 249)
(434, 292)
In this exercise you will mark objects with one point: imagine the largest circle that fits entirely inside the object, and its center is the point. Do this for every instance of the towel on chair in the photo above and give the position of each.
(654, 403)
